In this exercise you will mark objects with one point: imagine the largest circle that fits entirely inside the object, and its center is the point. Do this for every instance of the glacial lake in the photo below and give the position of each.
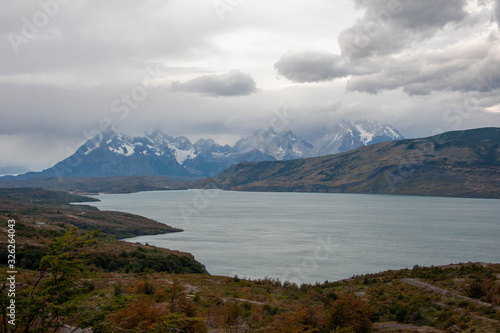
(315, 237)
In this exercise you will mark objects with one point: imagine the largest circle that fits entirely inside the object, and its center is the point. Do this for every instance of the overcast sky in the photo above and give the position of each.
(223, 68)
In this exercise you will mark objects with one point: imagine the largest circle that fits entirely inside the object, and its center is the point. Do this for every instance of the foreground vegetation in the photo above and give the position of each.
(151, 301)
(69, 277)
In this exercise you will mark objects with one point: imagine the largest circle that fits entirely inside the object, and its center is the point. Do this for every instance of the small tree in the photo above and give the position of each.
(140, 315)
(51, 302)
(294, 321)
(476, 290)
(350, 314)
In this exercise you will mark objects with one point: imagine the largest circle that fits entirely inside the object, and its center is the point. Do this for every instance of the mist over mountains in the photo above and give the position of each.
(158, 154)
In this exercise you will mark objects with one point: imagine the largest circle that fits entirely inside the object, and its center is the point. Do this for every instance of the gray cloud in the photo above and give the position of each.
(411, 14)
(425, 72)
(497, 12)
(390, 26)
(234, 83)
(310, 66)
(100, 42)
(383, 51)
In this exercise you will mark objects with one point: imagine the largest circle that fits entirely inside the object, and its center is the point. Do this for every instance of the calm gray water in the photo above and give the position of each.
(314, 237)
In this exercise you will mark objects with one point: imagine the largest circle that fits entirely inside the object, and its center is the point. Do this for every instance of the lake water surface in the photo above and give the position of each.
(314, 237)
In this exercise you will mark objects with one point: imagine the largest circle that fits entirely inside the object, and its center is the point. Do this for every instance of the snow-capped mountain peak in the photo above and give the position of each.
(157, 154)
(152, 143)
(348, 135)
(281, 146)
(181, 155)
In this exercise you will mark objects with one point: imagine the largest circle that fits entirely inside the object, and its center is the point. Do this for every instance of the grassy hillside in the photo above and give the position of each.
(41, 196)
(460, 164)
(86, 185)
(53, 208)
(455, 298)
(41, 216)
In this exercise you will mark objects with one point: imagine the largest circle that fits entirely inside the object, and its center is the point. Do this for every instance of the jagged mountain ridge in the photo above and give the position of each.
(453, 164)
(112, 154)
(281, 146)
(345, 136)
(348, 135)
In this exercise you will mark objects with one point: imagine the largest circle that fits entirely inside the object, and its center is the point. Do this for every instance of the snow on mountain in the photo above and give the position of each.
(365, 136)
(374, 132)
(281, 146)
(180, 148)
(348, 135)
(158, 154)
(182, 155)
(124, 149)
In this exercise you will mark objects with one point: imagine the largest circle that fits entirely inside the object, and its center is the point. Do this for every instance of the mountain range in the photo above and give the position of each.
(459, 164)
(112, 154)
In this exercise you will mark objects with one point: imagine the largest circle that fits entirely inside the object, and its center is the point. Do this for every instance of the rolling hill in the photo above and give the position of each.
(86, 185)
(456, 164)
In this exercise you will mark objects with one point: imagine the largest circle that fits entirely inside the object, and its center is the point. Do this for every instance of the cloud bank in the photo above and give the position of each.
(420, 47)
(310, 66)
(234, 83)
(389, 26)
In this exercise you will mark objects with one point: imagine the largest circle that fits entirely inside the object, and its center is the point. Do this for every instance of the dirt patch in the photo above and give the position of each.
(396, 327)
(424, 285)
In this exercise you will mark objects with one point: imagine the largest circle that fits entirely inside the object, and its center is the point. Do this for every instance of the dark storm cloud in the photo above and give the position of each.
(310, 66)
(411, 14)
(234, 83)
(390, 26)
(384, 51)
(424, 72)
